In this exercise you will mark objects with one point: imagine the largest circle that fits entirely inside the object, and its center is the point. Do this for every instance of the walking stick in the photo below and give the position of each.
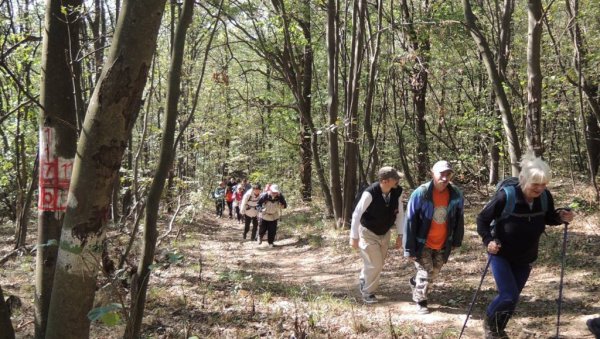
(487, 265)
(562, 273)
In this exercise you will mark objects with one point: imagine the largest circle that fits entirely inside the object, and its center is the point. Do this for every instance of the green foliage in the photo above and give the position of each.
(109, 315)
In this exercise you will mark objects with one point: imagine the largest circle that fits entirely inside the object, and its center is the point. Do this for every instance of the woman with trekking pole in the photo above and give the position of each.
(510, 226)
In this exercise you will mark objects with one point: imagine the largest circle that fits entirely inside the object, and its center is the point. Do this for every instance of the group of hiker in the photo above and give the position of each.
(510, 226)
(252, 206)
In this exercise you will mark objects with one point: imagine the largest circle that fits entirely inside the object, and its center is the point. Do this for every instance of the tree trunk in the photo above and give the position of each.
(142, 277)
(352, 96)
(514, 149)
(23, 216)
(533, 121)
(58, 138)
(332, 108)
(373, 152)
(110, 117)
(418, 45)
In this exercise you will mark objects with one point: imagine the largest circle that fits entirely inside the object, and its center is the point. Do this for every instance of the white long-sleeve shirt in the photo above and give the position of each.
(361, 207)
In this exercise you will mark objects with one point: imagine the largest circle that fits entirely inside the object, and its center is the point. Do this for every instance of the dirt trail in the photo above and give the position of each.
(227, 287)
(333, 267)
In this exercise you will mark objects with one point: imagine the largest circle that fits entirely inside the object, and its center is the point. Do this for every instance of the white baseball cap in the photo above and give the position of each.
(274, 188)
(441, 166)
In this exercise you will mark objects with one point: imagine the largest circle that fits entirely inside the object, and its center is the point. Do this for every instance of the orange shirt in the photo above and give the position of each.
(438, 230)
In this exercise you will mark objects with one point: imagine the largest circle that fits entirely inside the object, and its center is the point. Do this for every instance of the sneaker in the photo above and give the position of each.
(422, 307)
(370, 299)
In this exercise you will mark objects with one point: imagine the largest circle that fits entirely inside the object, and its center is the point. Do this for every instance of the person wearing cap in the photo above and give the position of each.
(270, 204)
(219, 196)
(378, 210)
(434, 226)
(249, 210)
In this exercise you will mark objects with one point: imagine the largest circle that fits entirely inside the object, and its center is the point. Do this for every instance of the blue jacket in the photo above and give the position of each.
(419, 213)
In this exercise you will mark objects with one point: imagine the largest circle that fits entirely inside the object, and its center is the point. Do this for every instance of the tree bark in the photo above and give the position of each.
(332, 109)
(418, 45)
(373, 152)
(533, 121)
(110, 117)
(142, 277)
(57, 144)
(351, 121)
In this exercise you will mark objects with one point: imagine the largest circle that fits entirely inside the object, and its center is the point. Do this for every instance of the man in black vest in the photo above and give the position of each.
(379, 208)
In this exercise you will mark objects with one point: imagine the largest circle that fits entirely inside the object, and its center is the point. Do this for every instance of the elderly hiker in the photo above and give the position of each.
(510, 226)
(378, 210)
(270, 204)
(434, 226)
(249, 209)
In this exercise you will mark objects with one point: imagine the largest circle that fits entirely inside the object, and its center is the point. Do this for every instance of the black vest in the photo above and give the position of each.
(380, 216)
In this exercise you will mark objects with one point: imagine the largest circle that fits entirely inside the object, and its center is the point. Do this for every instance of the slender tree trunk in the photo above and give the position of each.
(332, 108)
(373, 160)
(23, 217)
(108, 123)
(514, 149)
(418, 45)
(58, 138)
(352, 96)
(533, 125)
(142, 277)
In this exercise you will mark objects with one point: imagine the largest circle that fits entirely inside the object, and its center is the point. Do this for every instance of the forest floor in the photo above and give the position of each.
(210, 283)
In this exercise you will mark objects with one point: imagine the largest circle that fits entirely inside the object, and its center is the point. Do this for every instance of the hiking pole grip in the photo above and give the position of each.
(562, 274)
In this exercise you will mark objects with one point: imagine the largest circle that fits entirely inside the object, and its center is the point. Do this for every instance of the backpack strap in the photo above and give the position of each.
(509, 207)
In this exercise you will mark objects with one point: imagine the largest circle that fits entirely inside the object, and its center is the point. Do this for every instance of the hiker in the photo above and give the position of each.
(434, 226)
(229, 200)
(249, 210)
(512, 243)
(270, 204)
(237, 201)
(378, 210)
(219, 196)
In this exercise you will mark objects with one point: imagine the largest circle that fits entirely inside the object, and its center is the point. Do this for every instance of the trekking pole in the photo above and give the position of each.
(562, 273)
(487, 265)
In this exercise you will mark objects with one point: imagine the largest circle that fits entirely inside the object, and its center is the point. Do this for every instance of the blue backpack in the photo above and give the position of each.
(508, 185)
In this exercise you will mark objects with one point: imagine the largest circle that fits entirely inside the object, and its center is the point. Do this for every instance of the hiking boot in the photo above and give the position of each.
(422, 307)
(370, 299)
(594, 326)
(490, 329)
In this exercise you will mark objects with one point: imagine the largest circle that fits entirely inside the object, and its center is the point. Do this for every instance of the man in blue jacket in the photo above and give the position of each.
(434, 226)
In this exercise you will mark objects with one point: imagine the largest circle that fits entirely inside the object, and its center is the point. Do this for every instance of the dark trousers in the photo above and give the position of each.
(230, 207)
(238, 215)
(247, 221)
(510, 279)
(219, 204)
(269, 227)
